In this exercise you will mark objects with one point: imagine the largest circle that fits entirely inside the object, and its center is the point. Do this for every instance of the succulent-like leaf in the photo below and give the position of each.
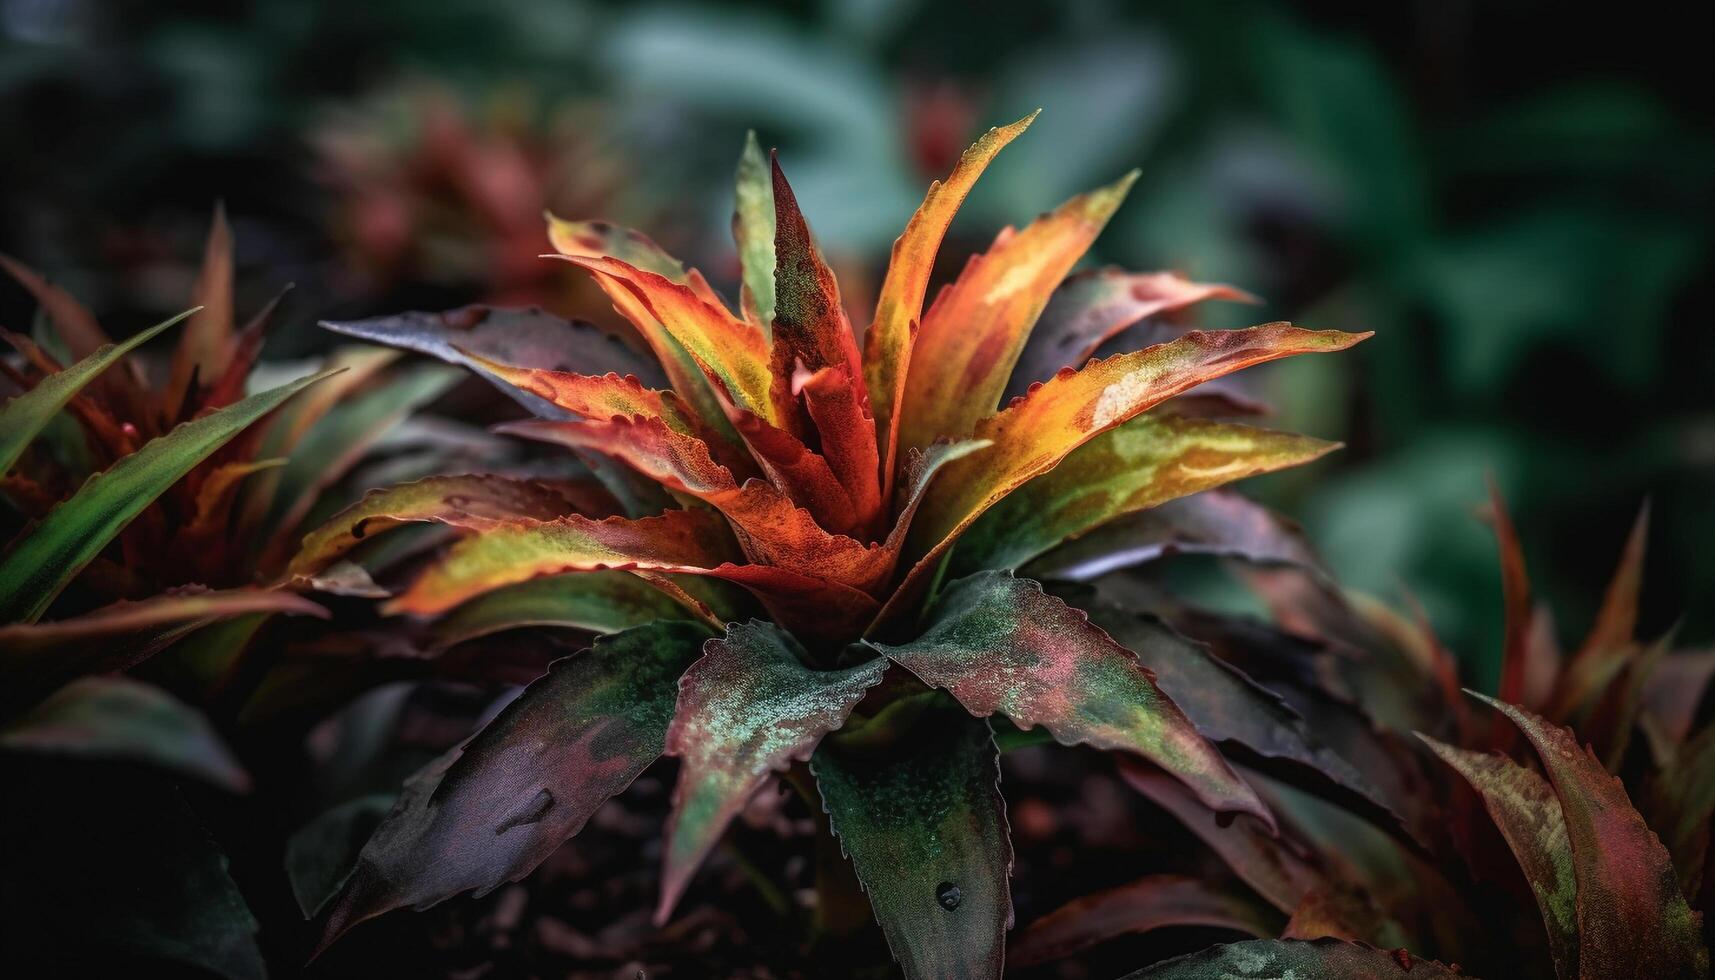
(1632, 919)
(753, 232)
(1034, 434)
(899, 306)
(473, 502)
(491, 810)
(1527, 813)
(973, 333)
(1002, 646)
(522, 338)
(25, 416)
(749, 707)
(1214, 522)
(926, 831)
(1090, 307)
(54, 551)
(600, 602)
(1149, 903)
(1145, 462)
(118, 718)
(1320, 959)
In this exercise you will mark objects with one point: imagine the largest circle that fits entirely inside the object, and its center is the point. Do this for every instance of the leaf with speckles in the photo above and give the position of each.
(1031, 436)
(973, 333)
(899, 306)
(1633, 920)
(474, 502)
(1002, 646)
(1274, 959)
(1527, 813)
(749, 707)
(1146, 462)
(926, 832)
(1091, 307)
(492, 809)
(753, 232)
(526, 338)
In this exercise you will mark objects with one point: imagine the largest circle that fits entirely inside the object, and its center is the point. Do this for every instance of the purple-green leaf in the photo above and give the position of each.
(1151, 902)
(1276, 959)
(1002, 646)
(747, 708)
(491, 810)
(925, 827)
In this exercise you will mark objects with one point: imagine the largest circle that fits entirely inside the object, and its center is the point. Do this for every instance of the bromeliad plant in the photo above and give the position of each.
(835, 489)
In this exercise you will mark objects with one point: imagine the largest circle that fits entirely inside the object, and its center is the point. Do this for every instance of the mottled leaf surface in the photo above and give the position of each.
(1002, 646)
(749, 707)
(753, 232)
(1146, 462)
(1280, 959)
(1632, 919)
(926, 831)
(1527, 813)
(491, 810)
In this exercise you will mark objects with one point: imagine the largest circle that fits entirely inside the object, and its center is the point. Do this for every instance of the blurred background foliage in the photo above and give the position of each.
(1515, 197)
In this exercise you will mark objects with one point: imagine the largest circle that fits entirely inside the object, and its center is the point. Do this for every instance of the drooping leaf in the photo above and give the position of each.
(491, 810)
(1527, 813)
(1149, 903)
(1002, 646)
(473, 502)
(753, 232)
(926, 832)
(1632, 918)
(600, 602)
(527, 338)
(899, 307)
(110, 873)
(1214, 522)
(120, 719)
(749, 707)
(54, 551)
(973, 333)
(42, 656)
(22, 418)
(1034, 434)
(1275, 959)
(1144, 463)
(1090, 307)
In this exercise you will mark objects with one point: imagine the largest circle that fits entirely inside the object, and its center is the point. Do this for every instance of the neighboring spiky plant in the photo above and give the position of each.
(173, 497)
(832, 487)
(1592, 887)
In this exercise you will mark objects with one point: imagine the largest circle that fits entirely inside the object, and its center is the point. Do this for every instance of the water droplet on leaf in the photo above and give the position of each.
(529, 812)
(948, 895)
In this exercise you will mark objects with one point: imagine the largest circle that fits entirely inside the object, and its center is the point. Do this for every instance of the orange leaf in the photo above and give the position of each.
(887, 347)
(972, 335)
(810, 326)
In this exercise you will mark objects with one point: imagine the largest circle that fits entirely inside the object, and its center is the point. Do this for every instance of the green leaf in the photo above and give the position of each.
(323, 851)
(1633, 920)
(753, 231)
(600, 602)
(1001, 645)
(925, 827)
(122, 719)
(1148, 461)
(55, 550)
(1527, 813)
(1273, 959)
(25, 416)
(491, 810)
(747, 708)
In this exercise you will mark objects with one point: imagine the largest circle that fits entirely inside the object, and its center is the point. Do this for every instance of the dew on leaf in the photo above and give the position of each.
(948, 895)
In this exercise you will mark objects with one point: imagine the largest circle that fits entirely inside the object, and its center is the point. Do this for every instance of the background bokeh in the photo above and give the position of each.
(1515, 197)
